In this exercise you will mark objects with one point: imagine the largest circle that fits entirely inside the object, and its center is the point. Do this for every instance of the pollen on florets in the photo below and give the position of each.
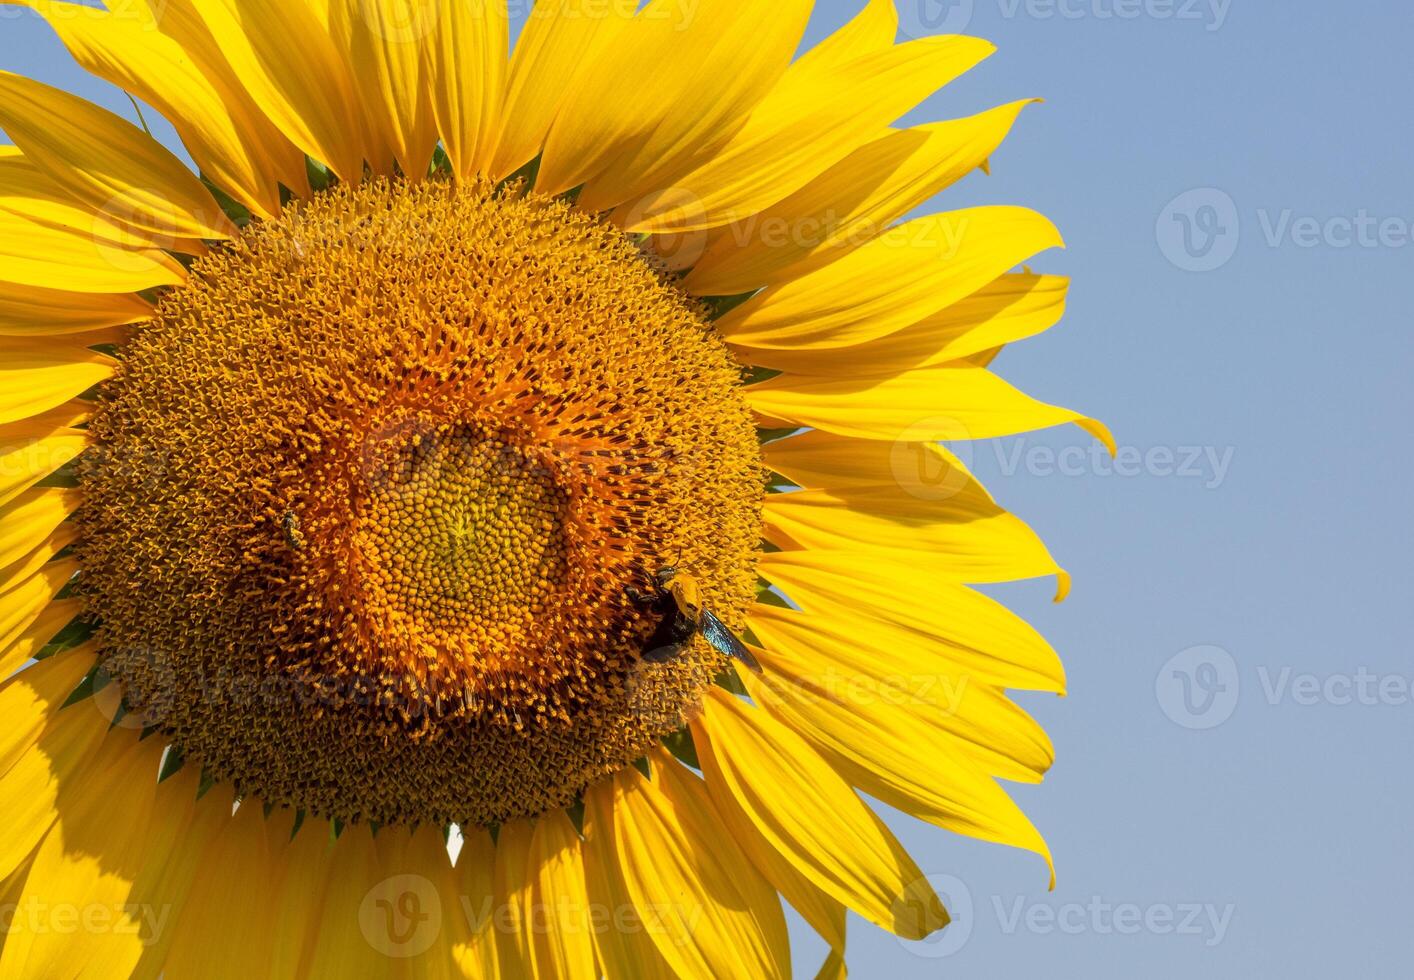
(369, 495)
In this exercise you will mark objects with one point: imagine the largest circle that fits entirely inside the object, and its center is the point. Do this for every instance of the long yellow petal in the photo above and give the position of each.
(107, 163)
(411, 915)
(715, 67)
(465, 70)
(908, 274)
(385, 49)
(852, 203)
(760, 769)
(622, 944)
(561, 934)
(286, 58)
(50, 257)
(883, 671)
(28, 192)
(263, 142)
(19, 643)
(37, 377)
(350, 936)
(871, 30)
(950, 401)
(560, 41)
(89, 861)
(823, 913)
(134, 55)
(44, 745)
(174, 840)
(224, 928)
(915, 605)
(1011, 308)
(475, 940)
(713, 913)
(31, 518)
(304, 880)
(511, 888)
(32, 311)
(896, 757)
(807, 124)
(32, 698)
(22, 611)
(965, 535)
(31, 449)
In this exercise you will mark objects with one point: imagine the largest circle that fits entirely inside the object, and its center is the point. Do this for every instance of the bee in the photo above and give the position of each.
(678, 600)
(294, 537)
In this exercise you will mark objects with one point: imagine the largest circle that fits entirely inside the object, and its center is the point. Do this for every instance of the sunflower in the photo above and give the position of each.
(353, 479)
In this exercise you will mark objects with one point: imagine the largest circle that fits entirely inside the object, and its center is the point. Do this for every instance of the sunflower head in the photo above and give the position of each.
(399, 474)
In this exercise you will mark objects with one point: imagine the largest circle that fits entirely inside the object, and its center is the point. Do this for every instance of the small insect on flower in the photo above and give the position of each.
(679, 601)
(294, 537)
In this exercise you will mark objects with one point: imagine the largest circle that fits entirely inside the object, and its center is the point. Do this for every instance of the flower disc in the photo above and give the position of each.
(370, 496)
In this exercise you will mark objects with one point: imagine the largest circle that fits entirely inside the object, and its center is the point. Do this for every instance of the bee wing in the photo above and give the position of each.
(726, 641)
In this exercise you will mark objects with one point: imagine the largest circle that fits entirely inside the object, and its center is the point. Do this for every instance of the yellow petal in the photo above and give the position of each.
(175, 841)
(865, 590)
(1011, 308)
(823, 913)
(950, 401)
(871, 30)
(833, 967)
(31, 699)
(511, 888)
(28, 192)
(768, 775)
(32, 449)
(89, 861)
(713, 915)
(50, 257)
(622, 943)
(561, 937)
(385, 40)
(713, 68)
(466, 76)
(559, 43)
(264, 143)
(881, 670)
(908, 274)
(35, 311)
(22, 609)
(37, 377)
(131, 53)
(475, 941)
(897, 758)
(852, 203)
(287, 60)
(811, 120)
(304, 880)
(107, 163)
(411, 914)
(44, 746)
(19, 643)
(224, 928)
(30, 519)
(351, 934)
(966, 535)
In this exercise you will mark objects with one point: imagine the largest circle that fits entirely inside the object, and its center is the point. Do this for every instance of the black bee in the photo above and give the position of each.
(679, 601)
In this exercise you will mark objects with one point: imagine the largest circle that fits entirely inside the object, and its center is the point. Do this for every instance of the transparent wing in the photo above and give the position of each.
(726, 641)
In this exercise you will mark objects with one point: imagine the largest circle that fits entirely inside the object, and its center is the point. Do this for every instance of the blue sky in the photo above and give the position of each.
(1231, 795)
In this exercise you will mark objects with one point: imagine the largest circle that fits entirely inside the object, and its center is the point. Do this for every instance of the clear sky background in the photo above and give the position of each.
(1232, 792)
